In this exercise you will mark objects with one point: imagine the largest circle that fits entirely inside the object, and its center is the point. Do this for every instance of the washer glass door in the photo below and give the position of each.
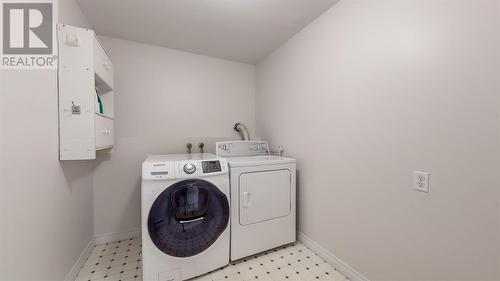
(188, 217)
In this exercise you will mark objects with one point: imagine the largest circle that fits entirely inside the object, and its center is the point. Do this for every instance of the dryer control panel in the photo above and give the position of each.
(241, 148)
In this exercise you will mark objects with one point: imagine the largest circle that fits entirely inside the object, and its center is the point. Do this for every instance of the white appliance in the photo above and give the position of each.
(263, 209)
(185, 216)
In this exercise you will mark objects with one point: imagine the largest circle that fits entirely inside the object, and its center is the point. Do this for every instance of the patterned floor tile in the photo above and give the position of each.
(122, 261)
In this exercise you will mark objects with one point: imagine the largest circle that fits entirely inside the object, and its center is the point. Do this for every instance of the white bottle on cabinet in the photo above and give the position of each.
(84, 67)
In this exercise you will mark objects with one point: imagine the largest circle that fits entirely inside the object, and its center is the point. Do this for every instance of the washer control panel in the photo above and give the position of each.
(181, 166)
(200, 167)
(211, 166)
(241, 148)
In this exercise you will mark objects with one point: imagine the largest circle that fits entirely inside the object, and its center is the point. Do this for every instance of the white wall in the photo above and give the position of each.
(164, 98)
(45, 205)
(370, 92)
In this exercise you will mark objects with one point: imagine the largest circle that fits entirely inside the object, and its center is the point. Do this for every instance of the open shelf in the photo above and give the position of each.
(107, 100)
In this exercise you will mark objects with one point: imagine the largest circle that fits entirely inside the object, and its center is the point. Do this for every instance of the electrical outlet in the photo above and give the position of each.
(421, 181)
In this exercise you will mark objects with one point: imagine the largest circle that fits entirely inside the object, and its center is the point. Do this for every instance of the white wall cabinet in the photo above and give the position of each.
(86, 122)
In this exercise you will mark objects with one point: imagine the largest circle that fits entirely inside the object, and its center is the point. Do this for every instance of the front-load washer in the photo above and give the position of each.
(263, 209)
(185, 216)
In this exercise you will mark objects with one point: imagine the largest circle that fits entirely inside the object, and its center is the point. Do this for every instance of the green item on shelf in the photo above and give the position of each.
(99, 101)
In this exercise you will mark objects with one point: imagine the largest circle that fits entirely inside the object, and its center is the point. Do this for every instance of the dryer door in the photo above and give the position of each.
(264, 196)
(188, 217)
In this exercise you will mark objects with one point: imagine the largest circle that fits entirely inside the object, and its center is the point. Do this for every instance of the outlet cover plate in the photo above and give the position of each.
(421, 181)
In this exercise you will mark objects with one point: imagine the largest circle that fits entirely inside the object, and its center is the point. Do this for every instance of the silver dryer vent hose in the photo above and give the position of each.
(243, 131)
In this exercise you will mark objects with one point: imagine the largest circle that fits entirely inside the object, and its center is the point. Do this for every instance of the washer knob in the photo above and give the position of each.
(189, 168)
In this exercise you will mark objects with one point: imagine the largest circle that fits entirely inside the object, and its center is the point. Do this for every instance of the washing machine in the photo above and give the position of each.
(185, 216)
(263, 192)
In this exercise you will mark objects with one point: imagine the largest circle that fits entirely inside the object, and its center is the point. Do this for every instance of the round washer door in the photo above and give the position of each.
(188, 217)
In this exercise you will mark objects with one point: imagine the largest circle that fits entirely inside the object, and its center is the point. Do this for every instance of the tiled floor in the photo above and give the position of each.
(122, 261)
(114, 261)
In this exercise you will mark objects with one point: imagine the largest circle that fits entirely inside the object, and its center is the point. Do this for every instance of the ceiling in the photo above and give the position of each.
(238, 30)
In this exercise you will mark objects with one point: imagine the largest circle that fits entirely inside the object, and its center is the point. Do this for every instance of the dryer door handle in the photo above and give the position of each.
(246, 199)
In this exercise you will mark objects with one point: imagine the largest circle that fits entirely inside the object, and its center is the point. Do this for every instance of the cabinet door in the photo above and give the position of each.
(76, 93)
(103, 68)
(104, 132)
(109, 132)
(100, 131)
(264, 196)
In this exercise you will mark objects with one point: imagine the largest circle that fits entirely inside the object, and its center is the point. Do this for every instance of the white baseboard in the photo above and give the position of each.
(330, 258)
(81, 261)
(112, 237)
